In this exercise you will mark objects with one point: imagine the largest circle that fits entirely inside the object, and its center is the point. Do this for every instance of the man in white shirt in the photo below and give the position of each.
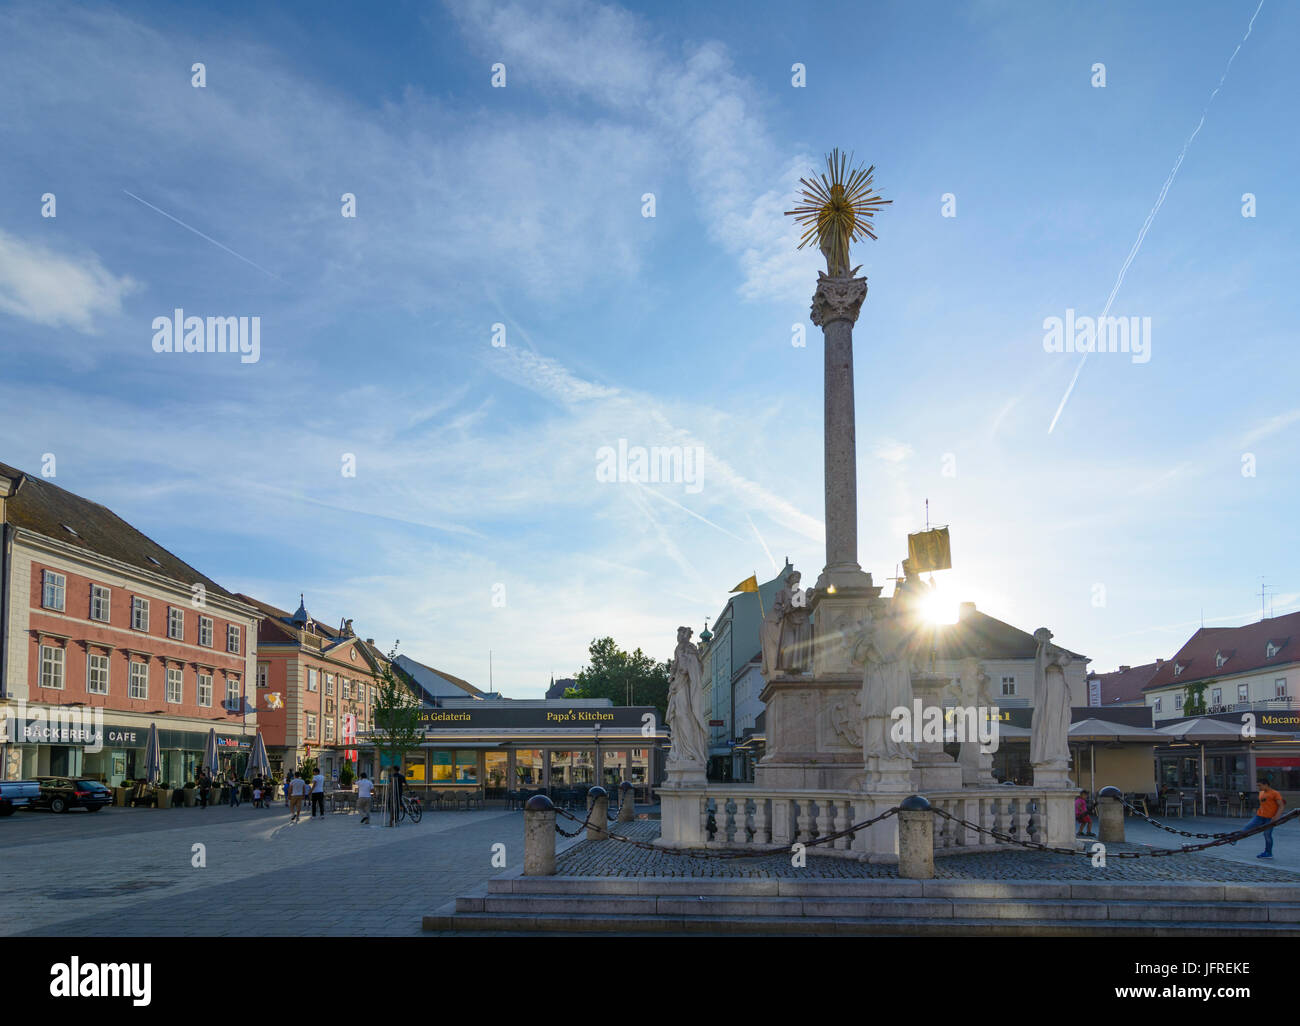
(318, 794)
(365, 788)
(297, 788)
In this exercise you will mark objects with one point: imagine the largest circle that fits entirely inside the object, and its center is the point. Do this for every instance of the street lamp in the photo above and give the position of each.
(596, 730)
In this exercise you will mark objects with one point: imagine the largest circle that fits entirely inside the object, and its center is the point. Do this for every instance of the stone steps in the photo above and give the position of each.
(881, 907)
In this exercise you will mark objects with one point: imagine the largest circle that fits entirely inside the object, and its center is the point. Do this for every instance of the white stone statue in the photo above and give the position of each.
(1049, 743)
(786, 631)
(885, 648)
(685, 714)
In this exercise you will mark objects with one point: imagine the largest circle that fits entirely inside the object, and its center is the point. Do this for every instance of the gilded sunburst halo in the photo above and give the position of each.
(837, 209)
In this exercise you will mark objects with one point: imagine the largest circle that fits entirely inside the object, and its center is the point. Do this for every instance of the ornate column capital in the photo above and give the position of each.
(837, 299)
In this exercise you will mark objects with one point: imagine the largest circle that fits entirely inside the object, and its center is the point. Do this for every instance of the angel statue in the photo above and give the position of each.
(884, 647)
(685, 714)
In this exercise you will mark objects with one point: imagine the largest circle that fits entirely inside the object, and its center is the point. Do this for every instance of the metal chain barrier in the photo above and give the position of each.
(729, 854)
(1185, 833)
(1232, 838)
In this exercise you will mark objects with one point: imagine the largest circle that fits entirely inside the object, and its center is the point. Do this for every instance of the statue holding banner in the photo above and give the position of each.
(786, 631)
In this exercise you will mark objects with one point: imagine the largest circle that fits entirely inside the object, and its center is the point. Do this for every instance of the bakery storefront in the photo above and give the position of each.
(498, 747)
(53, 741)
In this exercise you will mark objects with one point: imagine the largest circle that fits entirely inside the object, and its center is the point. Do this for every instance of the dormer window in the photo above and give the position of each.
(1178, 669)
(1271, 650)
(70, 530)
(1219, 659)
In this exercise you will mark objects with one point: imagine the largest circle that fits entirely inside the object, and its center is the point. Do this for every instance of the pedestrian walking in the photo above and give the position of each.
(1082, 820)
(1271, 804)
(205, 788)
(234, 789)
(365, 788)
(297, 788)
(318, 794)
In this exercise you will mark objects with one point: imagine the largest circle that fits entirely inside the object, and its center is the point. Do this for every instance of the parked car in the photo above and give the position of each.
(59, 794)
(17, 794)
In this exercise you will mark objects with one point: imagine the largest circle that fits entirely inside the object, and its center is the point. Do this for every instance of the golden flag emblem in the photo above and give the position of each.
(750, 583)
(930, 550)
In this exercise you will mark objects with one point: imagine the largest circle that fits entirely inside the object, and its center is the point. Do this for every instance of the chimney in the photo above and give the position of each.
(965, 610)
(1124, 669)
(1160, 662)
(370, 641)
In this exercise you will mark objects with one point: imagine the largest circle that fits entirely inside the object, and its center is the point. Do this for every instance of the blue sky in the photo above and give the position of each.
(475, 465)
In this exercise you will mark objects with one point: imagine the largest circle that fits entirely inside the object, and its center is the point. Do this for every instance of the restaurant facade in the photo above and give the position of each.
(498, 746)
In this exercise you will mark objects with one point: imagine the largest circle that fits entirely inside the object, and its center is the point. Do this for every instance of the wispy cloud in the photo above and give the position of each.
(42, 285)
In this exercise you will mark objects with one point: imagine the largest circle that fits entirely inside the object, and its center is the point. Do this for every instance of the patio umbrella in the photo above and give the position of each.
(1203, 729)
(1093, 730)
(210, 752)
(152, 756)
(258, 763)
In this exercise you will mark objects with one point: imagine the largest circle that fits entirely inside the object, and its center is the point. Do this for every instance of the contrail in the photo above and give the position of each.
(1156, 209)
(760, 541)
(202, 236)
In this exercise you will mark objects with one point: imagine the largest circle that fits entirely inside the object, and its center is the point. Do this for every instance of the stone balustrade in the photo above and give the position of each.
(746, 816)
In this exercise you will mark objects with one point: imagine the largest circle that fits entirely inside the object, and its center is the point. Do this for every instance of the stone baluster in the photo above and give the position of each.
(761, 834)
(1022, 820)
(825, 817)
(704, 817)
(988, 819)
(740, 821)
(721, 820)
(843, 820)
(804, 820)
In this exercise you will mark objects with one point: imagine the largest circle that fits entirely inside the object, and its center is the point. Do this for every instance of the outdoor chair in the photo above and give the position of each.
(1173, 804)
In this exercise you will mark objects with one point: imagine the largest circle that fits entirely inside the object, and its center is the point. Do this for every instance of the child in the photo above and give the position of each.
(1081, 816)
(257, 798)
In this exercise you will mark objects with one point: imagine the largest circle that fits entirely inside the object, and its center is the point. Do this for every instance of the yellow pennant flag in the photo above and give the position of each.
(750, 583)
(930, 550)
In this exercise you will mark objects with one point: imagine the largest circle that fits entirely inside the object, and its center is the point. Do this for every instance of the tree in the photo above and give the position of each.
(395, 721)
(624, 678)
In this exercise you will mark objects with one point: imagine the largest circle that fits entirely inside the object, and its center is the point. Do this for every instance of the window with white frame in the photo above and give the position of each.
(97, 674)
(139, 686)
(1008, 687)
(1243, 693)
(1216, 696)
(313, 680)
(329, 728)
(100, 602)
(311, 726)
(232, 638)
(329, 684)
(233, 694)
(1178, 700)
(205, 689)
(52, 667)
(263, 676)
(175, 685)
(139, 613)
(1155, 706)
(53, 590)
(205, 631)
(1279, 687)
(176, 623)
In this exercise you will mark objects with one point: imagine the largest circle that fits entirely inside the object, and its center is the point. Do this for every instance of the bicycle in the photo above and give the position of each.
(409, 805)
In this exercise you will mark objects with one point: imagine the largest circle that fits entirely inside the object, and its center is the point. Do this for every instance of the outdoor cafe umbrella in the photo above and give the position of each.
(152, 756)
(258, 763)
(210, 752)
(1203, 729)
(1093, 730)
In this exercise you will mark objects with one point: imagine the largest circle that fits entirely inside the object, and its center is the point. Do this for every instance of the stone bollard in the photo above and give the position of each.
(626, 803)
(539, 836)
(915, 839)
(1111, 815)
(597, 813)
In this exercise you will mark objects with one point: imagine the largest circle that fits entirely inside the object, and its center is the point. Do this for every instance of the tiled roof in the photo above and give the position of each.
(1124, 684)
(1246, 647)
(985, 637)
(44, 508)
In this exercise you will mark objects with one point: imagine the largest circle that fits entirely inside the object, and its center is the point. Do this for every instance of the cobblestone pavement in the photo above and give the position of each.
(614, 858)
(128, 872)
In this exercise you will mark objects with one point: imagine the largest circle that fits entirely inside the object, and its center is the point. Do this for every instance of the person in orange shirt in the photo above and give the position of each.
(1271, 804)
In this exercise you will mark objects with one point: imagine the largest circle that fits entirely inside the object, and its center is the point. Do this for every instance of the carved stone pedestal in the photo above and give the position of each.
(933, 769)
